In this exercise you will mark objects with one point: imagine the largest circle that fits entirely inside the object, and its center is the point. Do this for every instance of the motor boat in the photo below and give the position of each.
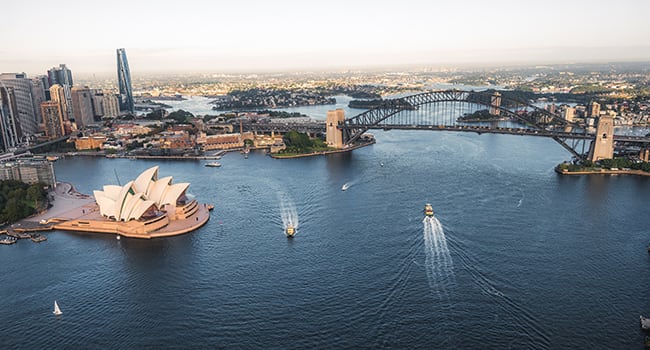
(428, 210)
(291, 231)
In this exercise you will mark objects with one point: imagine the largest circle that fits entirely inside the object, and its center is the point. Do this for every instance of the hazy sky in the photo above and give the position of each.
(256, 35)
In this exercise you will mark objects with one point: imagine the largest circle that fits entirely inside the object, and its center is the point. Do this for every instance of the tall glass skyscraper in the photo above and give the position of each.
(124, 80)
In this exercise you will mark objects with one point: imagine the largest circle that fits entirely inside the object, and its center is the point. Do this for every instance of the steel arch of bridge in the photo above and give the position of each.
(356, 126)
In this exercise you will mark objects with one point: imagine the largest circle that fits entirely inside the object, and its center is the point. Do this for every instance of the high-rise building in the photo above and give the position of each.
(38, 97)
(105, 105)
(22, 87)
(60, 75)
(124, 80)
(58, 94)
(82, 106)
(10, 131)
(52, 119)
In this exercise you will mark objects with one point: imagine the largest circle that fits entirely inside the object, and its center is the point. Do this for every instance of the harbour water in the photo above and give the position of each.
(517, 256)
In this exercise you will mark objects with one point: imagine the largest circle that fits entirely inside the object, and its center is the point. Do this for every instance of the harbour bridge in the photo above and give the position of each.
(454, 110)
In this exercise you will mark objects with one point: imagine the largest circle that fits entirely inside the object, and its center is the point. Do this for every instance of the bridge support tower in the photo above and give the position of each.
(495, 102)
(603, 146)
(334, 135)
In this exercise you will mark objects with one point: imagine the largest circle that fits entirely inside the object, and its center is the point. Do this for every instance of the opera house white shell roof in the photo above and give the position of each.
(147, 193)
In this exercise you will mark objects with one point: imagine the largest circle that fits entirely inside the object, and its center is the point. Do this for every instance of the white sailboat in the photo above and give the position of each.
(56, 311)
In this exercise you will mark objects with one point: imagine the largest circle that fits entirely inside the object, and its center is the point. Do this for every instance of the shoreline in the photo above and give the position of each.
(321, 153)
(603, 172)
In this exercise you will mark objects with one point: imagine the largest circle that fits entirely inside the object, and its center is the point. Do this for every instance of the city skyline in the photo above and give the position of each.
(256, 36)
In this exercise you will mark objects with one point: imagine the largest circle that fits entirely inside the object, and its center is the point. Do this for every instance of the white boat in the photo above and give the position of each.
(213, 164)
(56, 311)
(345, 186)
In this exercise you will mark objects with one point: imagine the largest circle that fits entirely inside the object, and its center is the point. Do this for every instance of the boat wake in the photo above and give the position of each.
(287, 211)
(438, 261)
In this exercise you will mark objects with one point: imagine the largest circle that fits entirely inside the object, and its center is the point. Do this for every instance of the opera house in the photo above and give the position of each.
(146, 207)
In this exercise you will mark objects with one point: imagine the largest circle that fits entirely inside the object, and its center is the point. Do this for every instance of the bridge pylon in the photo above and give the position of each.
(603, 146)
(334, 135)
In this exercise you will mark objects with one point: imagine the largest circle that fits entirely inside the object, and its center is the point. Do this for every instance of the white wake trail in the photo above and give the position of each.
(439, 263)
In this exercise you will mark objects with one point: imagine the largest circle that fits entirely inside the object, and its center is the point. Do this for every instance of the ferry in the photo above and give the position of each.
(291, 231)
(213, 164)
(428, 210)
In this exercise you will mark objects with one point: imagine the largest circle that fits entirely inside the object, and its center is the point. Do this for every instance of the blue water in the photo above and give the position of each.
(531, 260)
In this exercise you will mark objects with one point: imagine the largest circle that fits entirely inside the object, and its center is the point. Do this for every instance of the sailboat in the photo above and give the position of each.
(56, 311)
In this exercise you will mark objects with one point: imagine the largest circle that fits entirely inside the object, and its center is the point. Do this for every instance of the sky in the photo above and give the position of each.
(291, 35)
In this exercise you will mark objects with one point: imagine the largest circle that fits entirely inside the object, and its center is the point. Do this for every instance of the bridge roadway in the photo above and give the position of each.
(320, 127)
(499, 130)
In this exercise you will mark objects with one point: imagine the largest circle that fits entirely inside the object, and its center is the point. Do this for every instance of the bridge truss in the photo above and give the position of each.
(442, 110)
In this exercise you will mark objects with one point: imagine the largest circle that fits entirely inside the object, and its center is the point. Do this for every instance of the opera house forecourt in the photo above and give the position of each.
(147, 207)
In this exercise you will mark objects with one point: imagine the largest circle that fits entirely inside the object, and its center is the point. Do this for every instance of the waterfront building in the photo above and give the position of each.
(52, 119)
(22, 87)
(144, 196)
(82, 106)
(10, 131)
(29, 171)
(90, 142)
(334, 136)
(124, 82)
(60, 75)
(224, 141)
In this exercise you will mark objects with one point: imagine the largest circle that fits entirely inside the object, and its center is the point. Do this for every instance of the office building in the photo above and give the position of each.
(10, 131)
(59, 94)
(52, 119)
(124, 81)
(105, 105)
(22, 87)
(82, 106)
(29, 171)
(60, 75)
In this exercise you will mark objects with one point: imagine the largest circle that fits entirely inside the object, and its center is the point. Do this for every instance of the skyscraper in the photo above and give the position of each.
(22, 87)
(52, 119)
(82, 106)
(59, 95)
(60, 75)
(124, 80)
(10, 131)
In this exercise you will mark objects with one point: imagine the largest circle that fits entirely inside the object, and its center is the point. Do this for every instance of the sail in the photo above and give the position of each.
(57, 311)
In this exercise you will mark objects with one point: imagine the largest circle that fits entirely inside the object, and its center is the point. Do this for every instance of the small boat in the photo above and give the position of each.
(213, 164)
(345, 186)
(8, 240)
(428, 210)
(645, 323)
(117, 237)
(291, 231)
(56, 311)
